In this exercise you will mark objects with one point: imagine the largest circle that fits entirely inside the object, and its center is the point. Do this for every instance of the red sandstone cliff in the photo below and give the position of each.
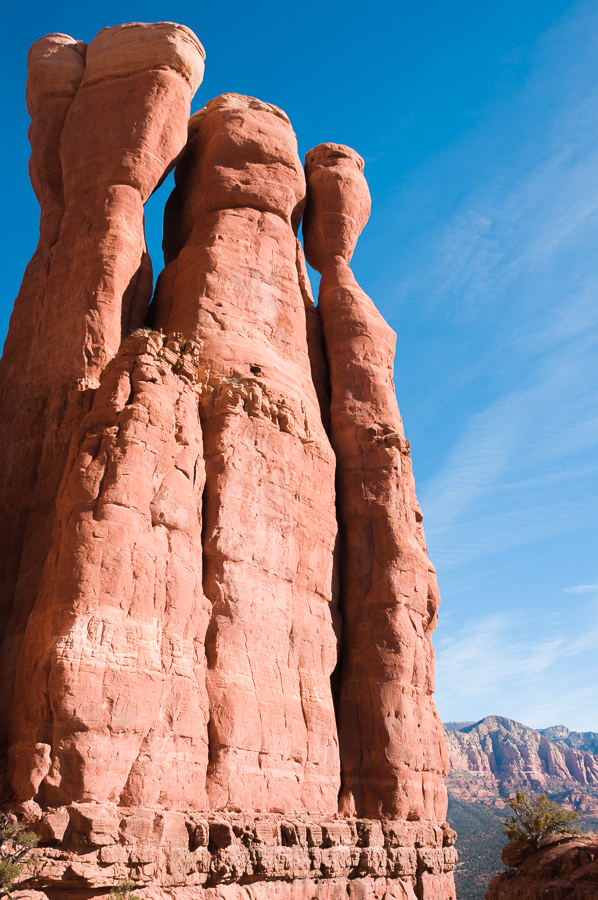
(89, 281)
(270, 522)
(218, 605)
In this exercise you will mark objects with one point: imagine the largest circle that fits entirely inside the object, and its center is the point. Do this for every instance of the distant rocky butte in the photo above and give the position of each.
(493, 757)
(217, 606)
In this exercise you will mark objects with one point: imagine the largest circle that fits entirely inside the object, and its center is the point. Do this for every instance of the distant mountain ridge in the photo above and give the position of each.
(493, 757)
(490, 759)
(586, 741)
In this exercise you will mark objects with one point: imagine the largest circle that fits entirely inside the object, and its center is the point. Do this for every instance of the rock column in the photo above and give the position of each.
(112, 702)
(56, 66)
(233, 285)
(103, 136)
(393, 755)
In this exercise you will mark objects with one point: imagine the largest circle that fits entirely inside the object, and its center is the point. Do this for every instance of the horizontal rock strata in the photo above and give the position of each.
(497, 755)
(100, 845)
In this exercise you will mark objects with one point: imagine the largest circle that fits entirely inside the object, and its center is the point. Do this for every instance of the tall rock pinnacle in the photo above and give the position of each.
(393, 754)
(269, 516)
(217, 605)
(90, 278)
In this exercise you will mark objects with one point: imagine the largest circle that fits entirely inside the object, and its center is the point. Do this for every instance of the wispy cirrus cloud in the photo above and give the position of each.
(504, 281)
(537, 672)
(582, 589)
(512, 271)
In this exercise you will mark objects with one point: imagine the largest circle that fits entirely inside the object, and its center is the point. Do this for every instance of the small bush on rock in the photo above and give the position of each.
(535, 818)
(17, 847)
(123, 890)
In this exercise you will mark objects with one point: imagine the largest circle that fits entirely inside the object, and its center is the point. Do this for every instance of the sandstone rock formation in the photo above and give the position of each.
(565, 867)
(586, 741)
(497, 755)
(90, 279)
(115, 708)
(270, 522)
(392, 748)
(217, 661)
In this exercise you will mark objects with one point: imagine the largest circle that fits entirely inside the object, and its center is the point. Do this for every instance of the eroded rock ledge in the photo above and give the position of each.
(90, 845)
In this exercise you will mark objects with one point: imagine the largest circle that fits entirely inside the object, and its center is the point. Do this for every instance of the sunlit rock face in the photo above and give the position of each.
(217, 605)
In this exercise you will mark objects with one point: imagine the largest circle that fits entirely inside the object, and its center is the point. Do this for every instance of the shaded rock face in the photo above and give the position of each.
(565, 867)
(495, 756)
(218, 606)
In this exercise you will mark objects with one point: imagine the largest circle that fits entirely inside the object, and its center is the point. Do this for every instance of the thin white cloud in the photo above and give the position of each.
(512, 274)
(582, 589)
(498, 665)
(515, 264)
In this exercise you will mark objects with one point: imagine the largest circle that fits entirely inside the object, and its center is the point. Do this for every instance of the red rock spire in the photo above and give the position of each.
(171, 563)
(393, 755)
(233, 285)
(107, 123)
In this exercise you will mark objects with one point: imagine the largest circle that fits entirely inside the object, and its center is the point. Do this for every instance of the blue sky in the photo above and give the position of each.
(479, 126)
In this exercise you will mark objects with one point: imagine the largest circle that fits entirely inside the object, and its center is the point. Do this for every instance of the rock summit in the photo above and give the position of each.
(216, 602)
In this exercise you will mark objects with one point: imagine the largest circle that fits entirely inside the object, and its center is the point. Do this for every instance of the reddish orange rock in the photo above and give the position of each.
(565, 866)
(270, 524)
(90, 280)
(170, 621)
(115, 706)
(56, 66)
(393, 753)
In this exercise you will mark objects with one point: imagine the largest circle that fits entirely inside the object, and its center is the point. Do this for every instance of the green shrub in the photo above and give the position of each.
(123, 890)
(17, 847)
(535, 818)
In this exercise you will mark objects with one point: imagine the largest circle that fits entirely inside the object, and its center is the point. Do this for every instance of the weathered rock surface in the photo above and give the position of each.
(497, 755)
(189, 607)
(586, 741)
(114, 706)
(392, 747)
(204, 856)
(565, 867)
(56, 65)
(270, 522)
(89, 282)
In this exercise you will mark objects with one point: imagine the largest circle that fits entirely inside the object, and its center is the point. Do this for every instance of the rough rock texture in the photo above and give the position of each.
(270, 523)
(189, 608)
(586, 741)
(495, 756)
(228, 855)
(392, 747)
(564, 867)
(115, 706)
(90, 279)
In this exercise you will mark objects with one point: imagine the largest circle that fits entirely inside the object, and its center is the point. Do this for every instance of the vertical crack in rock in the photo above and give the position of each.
(120, 619)
(393, 754)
